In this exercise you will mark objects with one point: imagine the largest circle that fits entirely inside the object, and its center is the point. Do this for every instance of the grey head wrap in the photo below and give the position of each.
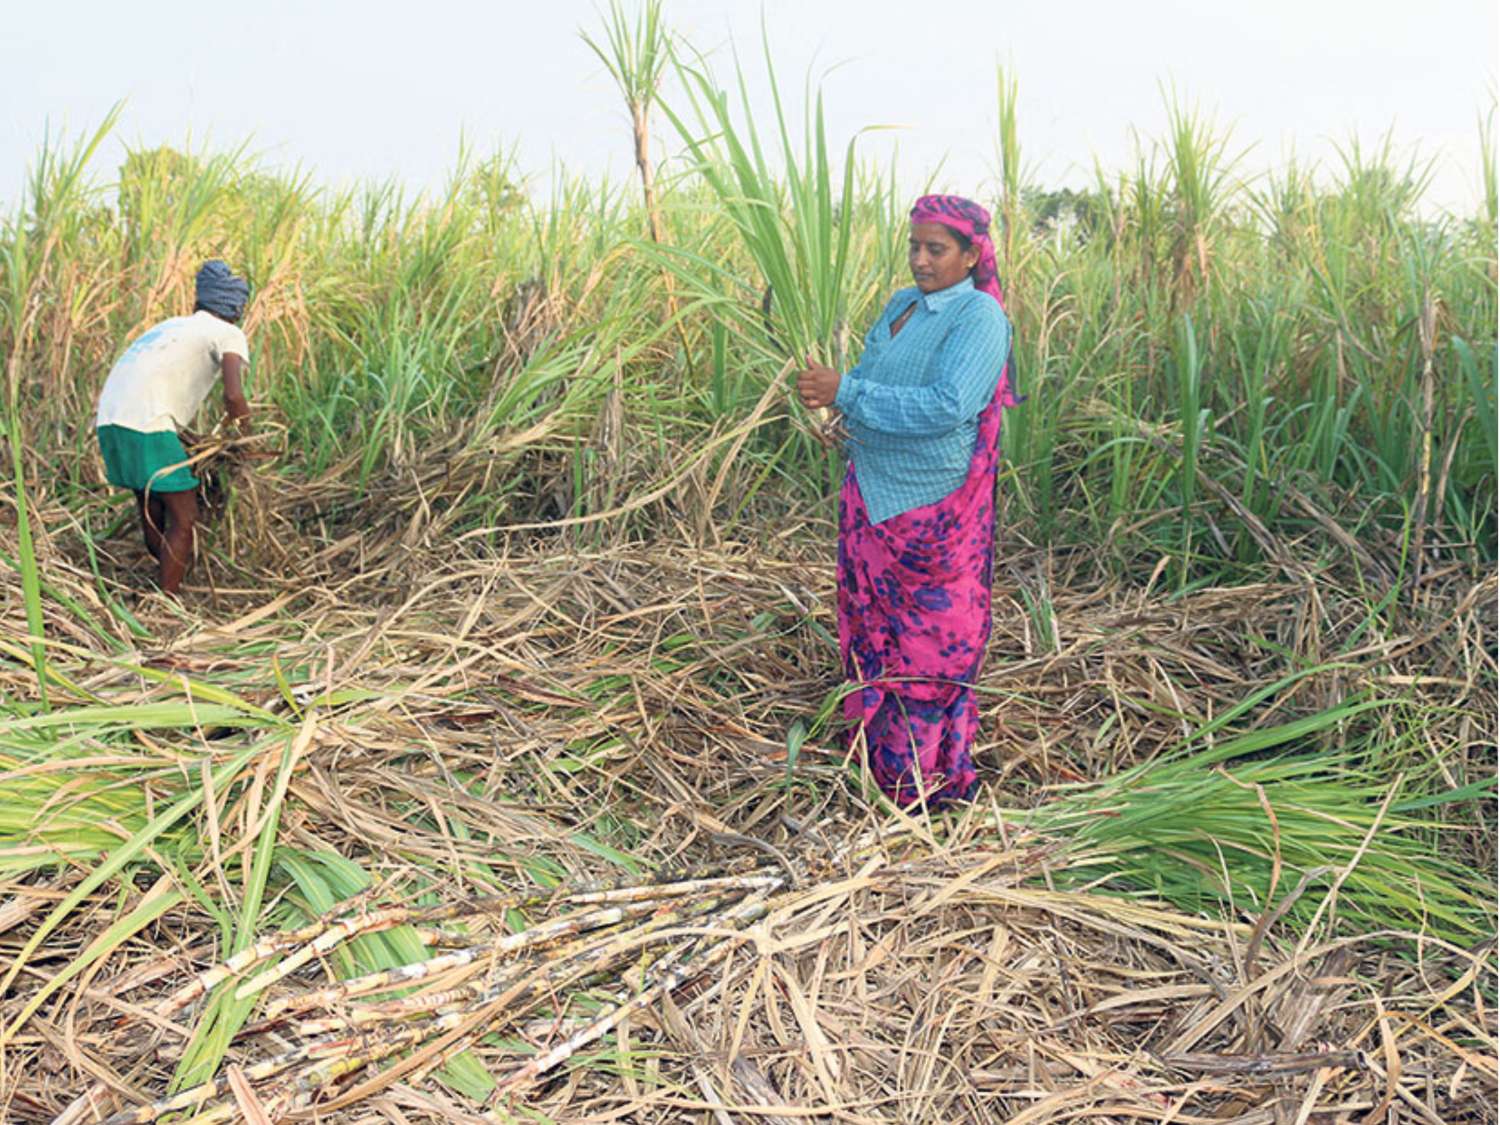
(220, 292)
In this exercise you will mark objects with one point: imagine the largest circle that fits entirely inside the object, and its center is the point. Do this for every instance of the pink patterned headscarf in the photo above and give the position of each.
(967, 218)
(973, 222)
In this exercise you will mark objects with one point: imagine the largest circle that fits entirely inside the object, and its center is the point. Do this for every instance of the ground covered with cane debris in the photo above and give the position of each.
(565, 833)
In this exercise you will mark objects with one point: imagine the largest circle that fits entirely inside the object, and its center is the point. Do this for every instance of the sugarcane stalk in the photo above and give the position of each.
(349, 925)
(379, 1029)
(402, 975)
(326, 941)
(223, 1112)
(669, 976)
(462, 1028)
(587, 958)
(218, 1086)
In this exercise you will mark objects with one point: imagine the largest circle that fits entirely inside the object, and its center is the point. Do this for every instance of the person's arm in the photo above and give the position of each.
(233, 368)
(969, 362)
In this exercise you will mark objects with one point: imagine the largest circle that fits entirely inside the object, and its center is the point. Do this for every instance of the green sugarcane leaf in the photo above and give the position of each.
(796, 735)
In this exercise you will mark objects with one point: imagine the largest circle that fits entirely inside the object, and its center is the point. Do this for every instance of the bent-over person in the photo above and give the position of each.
(154, 390)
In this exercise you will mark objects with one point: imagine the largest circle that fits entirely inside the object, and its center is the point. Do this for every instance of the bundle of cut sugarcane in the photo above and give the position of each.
(800, 235)
(226, 465)
(220, 457)
(632, 940)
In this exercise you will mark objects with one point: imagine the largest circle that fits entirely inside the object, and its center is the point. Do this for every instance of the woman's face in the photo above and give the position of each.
(935, 258)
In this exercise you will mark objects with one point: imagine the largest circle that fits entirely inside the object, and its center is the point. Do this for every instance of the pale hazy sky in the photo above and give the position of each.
(381, 88)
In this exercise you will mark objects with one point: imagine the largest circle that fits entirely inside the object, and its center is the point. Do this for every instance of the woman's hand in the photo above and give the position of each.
(817, 386)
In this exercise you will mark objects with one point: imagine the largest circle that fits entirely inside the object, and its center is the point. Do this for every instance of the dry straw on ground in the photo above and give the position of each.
(474, 720)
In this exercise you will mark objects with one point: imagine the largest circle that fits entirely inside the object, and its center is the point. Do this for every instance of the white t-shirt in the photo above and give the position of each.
(165, 374)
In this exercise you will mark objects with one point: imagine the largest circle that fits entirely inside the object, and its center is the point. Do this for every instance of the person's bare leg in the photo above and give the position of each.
(177, 543)
(153, 520)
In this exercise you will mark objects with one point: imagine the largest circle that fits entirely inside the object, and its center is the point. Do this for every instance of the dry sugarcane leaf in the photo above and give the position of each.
(252, 1112)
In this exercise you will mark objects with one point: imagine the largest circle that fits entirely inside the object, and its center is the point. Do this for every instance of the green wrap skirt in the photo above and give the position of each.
(145, 461)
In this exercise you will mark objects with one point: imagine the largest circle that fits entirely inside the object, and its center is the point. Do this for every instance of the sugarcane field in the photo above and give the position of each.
(774, 633)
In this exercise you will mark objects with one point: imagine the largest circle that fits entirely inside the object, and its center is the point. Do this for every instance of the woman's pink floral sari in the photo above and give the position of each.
(914, 620)
(914, 594)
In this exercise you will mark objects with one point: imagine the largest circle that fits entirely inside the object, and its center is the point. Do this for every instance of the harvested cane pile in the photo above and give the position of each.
(666, 931)
(510, 741)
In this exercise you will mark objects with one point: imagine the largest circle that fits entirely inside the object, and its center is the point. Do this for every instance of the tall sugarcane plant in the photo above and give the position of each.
(42, 229)
(19, 315)
(636, 53)
(796, 222)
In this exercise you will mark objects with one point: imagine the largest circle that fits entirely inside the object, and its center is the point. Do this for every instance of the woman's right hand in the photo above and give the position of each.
(817, 385)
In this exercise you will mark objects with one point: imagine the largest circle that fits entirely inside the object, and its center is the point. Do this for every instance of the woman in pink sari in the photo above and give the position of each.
(917, 513)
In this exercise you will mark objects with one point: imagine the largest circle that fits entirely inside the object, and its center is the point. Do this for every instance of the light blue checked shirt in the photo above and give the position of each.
(911, 404)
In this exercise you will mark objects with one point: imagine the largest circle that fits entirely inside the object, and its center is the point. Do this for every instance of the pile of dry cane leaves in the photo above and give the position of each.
(781, 951)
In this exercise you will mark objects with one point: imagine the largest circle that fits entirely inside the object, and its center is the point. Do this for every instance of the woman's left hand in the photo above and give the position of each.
(817, 386)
